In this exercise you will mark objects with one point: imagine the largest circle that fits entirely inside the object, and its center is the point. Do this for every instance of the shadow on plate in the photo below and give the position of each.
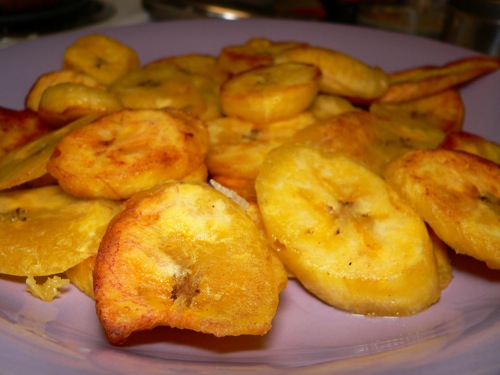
(185, 337)
(474, 267)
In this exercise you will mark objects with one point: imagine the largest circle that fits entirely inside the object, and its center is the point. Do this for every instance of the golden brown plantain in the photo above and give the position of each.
(186, 256)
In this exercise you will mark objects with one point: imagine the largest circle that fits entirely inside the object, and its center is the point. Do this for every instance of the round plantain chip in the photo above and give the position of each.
(255, 53)
(66, 102)
(423, 81)
(244, 187)
(239, 160)
(161, 86)
(18, 128)
(185, 255)
(80, 275)
(369, 138)
(457, 194)
(46, 80)
(129, 151)
(45, 231)
(473, 144)
(326, 106)
(345, 233)
(444, 110)
(194, 64)
(271, 93)
(445, 268)
(104, 58)
(341, 74)
(238, 148)
(29, 162)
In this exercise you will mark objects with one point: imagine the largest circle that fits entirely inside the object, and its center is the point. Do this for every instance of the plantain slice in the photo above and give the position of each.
(194, 64)
(457, 194)
(45, 231)
(444, 110)
(239, 160)
(80, 275)
(161, 86)
(345, 234)
(46, 80)
(420, 82)
(185, 255)
(245, 188)
(128, 151)
(206, 75)
(103, 58)
(254, 53)
(18, 128)
(239, 147)
(271, 93)
(341, 74)
(445, 268)
(473, 144)
(326, 106)
(66, 102)
(369, 138)
(29, 162)
(233, 130)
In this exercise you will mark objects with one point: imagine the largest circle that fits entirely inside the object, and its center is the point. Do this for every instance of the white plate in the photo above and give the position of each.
(458, 335)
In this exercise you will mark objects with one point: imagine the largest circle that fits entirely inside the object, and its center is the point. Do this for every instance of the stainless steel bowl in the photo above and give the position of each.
(224, 9)
(474, 24)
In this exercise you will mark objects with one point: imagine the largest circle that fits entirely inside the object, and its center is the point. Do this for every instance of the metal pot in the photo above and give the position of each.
(474, 24)
(224, 9)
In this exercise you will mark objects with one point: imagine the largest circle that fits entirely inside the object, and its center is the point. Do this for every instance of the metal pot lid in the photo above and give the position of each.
(489, 9)
(65, 15)
(230, 10)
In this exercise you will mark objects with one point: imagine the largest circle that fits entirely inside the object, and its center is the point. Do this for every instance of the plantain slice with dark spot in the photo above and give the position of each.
(187, 256)
(457, 194)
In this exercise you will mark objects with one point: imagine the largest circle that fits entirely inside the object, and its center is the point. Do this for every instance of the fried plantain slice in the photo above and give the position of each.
(186, 256)
(198, 175)
(194, 63)
(206, 75)
(159, 87)
(230, 130)
(128, 151)
(326, 106)
(345, 234)
(29, 162)
(341, 74)
(66, 102)
(272, 93)
(80, 275)
(239, 147)
(284, 130)
(240, 160)
(371, 139)
(457, 194)
(473, 144)
(444, 110)
(253, 211)
(18, 128)
(445, 269)
(49, 79)
(245, 188)
(102, 57)
(255, 53)
(420, 82)
(45, 231)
